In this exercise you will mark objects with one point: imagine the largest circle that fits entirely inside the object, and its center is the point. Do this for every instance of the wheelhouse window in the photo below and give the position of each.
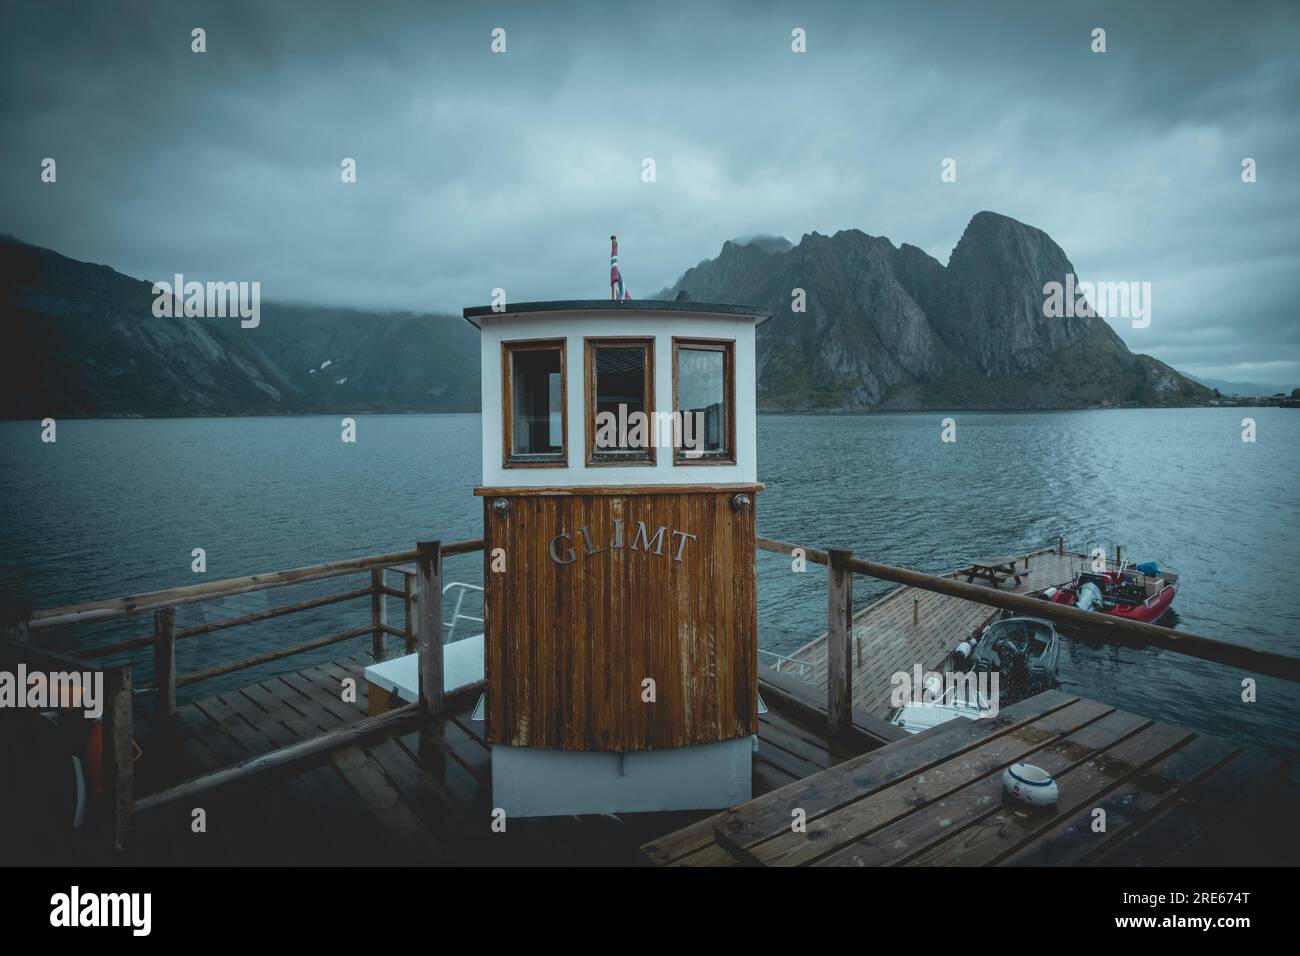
(533, 401)
(704, 400)
(620, 401)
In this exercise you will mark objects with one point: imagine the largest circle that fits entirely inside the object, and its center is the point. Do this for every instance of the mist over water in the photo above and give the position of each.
(116, 507)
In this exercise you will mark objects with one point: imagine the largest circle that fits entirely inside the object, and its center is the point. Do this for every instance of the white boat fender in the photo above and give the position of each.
(962, 651)
(1030, 784)
(1049, 593)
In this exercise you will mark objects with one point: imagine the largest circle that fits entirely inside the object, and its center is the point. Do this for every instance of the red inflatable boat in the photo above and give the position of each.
(1126, 593)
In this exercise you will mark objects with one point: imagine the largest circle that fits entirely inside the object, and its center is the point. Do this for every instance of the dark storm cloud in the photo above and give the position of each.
(479, 170)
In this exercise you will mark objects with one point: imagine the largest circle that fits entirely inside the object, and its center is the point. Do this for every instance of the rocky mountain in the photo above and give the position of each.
(81, 341)
(891, 327)
(885, 327)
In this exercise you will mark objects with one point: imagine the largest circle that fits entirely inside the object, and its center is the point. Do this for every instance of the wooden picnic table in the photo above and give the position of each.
(1170, 795)
(995, 571)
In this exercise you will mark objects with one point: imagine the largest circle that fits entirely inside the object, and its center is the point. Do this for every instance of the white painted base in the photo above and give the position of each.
(544, 783)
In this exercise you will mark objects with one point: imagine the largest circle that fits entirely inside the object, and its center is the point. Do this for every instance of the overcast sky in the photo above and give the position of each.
(477, 170)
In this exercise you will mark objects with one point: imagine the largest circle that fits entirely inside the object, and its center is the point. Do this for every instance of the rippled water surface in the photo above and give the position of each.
(115, 507)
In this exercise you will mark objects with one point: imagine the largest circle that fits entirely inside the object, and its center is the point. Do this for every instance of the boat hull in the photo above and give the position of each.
(1149, 611)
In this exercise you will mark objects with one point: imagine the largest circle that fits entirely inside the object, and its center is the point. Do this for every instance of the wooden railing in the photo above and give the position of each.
(165, 634)
(422, 632)
(421, 594)
(842, 565)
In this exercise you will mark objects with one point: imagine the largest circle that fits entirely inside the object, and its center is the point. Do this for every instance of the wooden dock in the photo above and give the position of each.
(1170, 796)
(910, 626)
(418, 797)
(287, 770)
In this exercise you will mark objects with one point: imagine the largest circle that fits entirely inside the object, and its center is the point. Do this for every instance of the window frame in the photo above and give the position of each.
(618, 459)
(509, 459)
(728, 349)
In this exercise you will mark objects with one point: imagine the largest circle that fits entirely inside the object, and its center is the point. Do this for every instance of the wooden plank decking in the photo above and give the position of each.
(1170, 796)
(910, 626)
(388, 800)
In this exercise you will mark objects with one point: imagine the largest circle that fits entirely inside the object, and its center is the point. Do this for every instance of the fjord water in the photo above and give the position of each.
(117, 507)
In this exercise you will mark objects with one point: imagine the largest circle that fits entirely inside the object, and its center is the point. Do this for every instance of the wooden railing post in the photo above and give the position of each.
(378, 616)
(839, 630)
(408, 606)
(429, 625)
(164, 662)
(1117, 554)
(1060, 545)
(119, 756)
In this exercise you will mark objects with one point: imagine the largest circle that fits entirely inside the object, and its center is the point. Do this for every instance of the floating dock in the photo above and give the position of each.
(910, 626)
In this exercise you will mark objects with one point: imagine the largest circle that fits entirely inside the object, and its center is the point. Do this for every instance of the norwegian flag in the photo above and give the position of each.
(616, 289)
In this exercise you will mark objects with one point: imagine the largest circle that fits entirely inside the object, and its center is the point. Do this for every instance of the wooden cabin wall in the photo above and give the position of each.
(568, 645)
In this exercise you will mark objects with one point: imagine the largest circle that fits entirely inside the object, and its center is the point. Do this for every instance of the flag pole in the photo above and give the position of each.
(617, 290)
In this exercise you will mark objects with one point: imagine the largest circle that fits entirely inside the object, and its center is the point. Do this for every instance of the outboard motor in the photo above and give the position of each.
(1089, 597)
(961, 656)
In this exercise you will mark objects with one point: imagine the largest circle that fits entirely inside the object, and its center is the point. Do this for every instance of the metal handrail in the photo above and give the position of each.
(782, 659)
(456, 615)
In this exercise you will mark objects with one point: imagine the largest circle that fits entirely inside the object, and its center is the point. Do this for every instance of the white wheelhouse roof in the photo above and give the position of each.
(686, 309)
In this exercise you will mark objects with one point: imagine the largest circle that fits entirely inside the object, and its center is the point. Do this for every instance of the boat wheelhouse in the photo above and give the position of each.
(620, 620)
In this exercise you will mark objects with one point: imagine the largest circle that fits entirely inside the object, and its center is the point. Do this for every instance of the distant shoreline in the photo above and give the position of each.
(809, 413)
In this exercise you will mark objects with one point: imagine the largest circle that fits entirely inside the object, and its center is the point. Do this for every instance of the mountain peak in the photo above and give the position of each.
(890, 326)
(877, 326)
(986, 219)
(761, 241)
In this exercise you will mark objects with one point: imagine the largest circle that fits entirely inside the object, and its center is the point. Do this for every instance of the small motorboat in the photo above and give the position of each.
(1137, 592)
(918, 715)
(1023, 651)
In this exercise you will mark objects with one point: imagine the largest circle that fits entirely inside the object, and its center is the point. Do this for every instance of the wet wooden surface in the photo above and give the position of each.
(1166, 794)
(399, 800)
